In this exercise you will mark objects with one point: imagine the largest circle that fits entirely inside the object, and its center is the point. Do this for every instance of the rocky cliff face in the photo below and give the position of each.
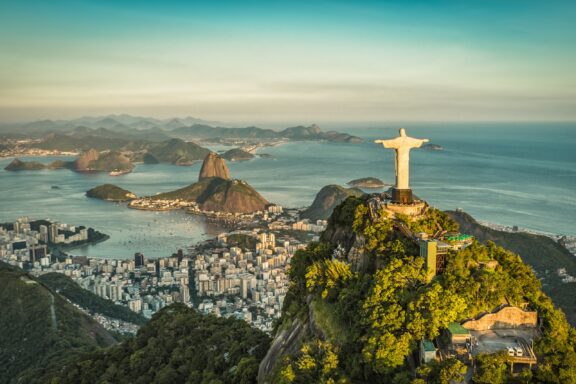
(234, 196)
(214, 166)
(327, 199)
(93, 161)
(82, 163)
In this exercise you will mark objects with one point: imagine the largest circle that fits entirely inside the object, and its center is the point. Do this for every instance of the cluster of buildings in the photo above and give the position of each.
(306, 225)
(246, 279)
(109, 323)
(149, 204)
(143, 286)
(25, 242)
(507, 329)
(434, 250)
(248, 284)
(25, 147)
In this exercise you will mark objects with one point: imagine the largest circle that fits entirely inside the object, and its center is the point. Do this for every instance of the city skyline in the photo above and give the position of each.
(289, 62)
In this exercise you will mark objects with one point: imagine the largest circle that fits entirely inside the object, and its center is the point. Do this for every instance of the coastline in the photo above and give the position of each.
(71, 247)
(570, 240)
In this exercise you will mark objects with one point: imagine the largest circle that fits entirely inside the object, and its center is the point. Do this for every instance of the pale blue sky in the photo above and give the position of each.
(297, 61)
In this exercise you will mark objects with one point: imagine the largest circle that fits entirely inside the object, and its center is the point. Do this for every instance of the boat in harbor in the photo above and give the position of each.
(117, 172)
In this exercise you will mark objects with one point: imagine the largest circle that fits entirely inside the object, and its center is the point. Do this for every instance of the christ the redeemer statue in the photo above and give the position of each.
(402, 144)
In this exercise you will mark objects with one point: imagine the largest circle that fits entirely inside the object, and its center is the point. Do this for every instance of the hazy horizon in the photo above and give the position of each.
(260, 63)
(324, 124)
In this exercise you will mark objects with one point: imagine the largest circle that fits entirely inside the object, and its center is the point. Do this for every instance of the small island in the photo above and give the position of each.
(110, 192)
(367, 182)
(432, 147)
(19, 165)
(113, 162)
(237, 154)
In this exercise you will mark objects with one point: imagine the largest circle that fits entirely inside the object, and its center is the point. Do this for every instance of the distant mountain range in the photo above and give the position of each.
(127, 127)
(313, 132)
(120, 123)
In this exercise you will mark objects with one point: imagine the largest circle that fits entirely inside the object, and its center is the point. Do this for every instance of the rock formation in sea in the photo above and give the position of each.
(93, 161)
(83, 161)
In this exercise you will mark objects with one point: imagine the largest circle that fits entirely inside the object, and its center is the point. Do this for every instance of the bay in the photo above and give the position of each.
(508, 174)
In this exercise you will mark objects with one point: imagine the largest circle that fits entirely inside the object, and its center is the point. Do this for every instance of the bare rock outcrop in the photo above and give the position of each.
(82, 163)
(214, 166)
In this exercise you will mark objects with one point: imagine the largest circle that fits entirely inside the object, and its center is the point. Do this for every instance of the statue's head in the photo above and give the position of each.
(402, 132)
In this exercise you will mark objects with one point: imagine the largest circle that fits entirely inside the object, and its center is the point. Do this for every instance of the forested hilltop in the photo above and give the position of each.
(178, 345)
(361, 305)
(39, 328)
(361, 301)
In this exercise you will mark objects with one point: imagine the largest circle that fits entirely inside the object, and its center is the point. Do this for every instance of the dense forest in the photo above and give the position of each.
(178, 345)
(39, 328)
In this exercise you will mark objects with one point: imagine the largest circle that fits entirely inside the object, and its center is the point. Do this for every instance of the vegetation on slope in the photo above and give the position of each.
(543, 254)
(175, 151)
(69, 143)
(112, 161)
(371, 321)
(246, 242)
(88, 300)
(19, 165)
(327, 199)
(178, 345)
(39, 328)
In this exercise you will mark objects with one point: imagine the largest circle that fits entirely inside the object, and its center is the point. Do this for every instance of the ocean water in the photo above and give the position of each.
(508, 174)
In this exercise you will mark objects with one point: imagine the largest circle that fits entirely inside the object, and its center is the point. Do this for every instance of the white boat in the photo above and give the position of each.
(117, 173)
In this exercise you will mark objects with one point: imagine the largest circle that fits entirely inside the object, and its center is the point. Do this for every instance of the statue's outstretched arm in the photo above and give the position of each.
(418, 142)
(388, 143)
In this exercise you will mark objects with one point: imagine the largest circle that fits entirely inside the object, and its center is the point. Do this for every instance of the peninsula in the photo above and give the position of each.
(215, 194)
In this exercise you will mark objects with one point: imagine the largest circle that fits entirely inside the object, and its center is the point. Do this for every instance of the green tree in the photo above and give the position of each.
(491, 369)
(325, 275)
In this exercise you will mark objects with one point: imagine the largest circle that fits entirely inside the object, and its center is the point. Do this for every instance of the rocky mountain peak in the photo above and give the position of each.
(214, 166)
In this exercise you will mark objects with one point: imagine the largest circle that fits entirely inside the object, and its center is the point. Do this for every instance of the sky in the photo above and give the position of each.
(289, 61)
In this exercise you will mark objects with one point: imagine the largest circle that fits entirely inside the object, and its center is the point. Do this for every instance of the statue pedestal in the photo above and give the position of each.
(402, 196)
(415, 209)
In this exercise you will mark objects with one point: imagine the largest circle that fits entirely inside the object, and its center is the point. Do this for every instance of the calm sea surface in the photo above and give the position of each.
(509, 174)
